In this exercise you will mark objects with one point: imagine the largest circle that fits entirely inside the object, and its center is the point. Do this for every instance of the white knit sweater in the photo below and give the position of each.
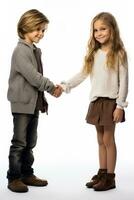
(104, 82)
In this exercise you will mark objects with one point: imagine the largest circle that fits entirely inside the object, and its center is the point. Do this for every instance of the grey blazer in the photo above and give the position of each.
(25, 81)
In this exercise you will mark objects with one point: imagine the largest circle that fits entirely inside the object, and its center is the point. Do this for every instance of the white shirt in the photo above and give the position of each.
(105, 82)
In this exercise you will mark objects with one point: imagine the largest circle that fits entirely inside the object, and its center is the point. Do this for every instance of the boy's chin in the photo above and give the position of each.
(36, 41)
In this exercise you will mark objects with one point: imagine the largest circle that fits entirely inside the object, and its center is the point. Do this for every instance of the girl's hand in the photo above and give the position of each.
(117, 115)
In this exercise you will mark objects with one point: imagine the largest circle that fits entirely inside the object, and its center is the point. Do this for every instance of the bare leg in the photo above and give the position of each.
(109, 142)
(102, 148)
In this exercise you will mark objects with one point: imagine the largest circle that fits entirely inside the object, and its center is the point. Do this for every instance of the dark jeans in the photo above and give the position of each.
(24, 140)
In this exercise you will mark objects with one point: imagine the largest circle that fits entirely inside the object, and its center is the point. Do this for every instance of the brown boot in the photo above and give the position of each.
(17, 186)
(106, 182)
(95, 179)
(34, 181)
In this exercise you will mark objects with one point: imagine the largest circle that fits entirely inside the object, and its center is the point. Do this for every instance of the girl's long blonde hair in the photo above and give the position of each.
(117, 51)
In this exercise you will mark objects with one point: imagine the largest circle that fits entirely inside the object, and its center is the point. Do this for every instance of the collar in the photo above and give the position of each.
(32, 46)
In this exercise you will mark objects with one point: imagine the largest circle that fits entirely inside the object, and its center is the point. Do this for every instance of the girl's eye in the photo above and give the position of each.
(95, 30)
(103, 29)
(43, 30)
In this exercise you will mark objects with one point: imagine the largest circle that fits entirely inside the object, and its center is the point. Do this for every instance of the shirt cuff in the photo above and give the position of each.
(65, 87)
(120, 107)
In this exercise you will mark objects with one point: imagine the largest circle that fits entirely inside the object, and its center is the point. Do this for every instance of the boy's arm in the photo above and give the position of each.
(25, 68)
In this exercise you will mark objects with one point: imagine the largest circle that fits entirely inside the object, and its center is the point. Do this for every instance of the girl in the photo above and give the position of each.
(106, 63)
(26, 95)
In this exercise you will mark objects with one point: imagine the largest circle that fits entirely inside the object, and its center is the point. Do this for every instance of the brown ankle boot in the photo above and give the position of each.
(107, 182)
(34, 181)
(17, 186)
(95, 179)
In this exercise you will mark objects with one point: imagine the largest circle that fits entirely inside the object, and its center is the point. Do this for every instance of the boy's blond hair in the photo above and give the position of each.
(29, 21)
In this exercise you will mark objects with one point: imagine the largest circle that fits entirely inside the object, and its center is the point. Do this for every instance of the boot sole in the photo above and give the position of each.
(97, 190)
(35, 185)
(89, 186)
(17, 190)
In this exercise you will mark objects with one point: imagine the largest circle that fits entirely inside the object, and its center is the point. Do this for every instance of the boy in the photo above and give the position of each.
(26, 95)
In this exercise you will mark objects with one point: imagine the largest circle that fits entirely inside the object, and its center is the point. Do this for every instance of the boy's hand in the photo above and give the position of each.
(58, 91)
(117, 115)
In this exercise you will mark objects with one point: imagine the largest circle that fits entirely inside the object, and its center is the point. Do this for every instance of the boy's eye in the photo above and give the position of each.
(42, 30)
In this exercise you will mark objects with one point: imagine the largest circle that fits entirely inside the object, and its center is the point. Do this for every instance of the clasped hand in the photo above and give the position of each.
(58, 91)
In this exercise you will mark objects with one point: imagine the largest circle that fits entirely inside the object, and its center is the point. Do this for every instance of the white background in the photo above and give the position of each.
(67, 153)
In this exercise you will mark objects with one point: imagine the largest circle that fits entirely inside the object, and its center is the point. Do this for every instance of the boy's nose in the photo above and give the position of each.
(41, 32)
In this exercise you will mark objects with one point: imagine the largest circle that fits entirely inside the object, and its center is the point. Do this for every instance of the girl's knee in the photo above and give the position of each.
(108, 142)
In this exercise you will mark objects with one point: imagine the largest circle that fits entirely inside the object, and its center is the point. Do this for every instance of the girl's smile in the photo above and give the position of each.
(102, 32)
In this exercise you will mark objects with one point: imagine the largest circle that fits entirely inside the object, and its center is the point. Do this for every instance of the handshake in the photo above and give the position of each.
(57, 91)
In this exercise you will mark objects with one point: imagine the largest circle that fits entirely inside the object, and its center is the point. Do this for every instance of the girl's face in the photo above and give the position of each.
(102, 32)
(36, 35)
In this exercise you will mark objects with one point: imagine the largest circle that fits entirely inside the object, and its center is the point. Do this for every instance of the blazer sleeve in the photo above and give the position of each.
(24, 66)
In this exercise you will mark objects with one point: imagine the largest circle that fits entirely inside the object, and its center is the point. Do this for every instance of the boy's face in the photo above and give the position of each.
(37, 34)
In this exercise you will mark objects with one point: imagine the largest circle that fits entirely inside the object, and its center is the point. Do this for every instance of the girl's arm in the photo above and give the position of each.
(73, 82)
(123, 87)
(123, 91)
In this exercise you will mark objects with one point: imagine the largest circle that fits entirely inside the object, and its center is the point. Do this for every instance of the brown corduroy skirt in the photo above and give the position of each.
(100, 112)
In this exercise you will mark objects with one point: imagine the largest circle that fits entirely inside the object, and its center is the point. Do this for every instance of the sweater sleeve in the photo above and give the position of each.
(25, 67)
(73, 82)
(123, 87)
